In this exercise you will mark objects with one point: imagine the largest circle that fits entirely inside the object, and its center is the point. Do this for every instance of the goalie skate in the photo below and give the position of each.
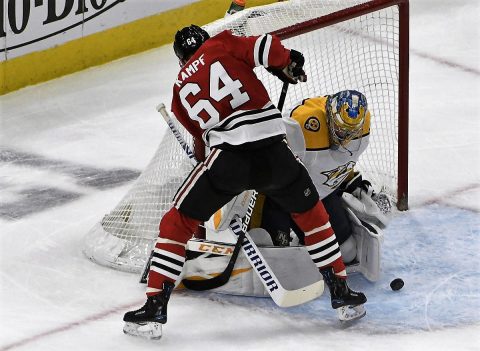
(148, 330)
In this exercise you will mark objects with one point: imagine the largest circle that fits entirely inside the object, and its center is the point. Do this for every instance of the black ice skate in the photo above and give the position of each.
(348, 303)
(147, 321)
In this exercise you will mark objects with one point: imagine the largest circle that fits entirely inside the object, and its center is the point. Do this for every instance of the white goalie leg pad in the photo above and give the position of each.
(215, 258)
(292, 266)
(369, 239)
(349, 249)
(237, 207)
(260, 237)
(365, 208)
(243, 280)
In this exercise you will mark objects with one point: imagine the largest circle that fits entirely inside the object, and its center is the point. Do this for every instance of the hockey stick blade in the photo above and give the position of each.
(222, 278)
(279, 294)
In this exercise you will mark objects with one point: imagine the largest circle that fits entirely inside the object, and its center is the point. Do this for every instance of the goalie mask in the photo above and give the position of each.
(187, 41)
(346, 112)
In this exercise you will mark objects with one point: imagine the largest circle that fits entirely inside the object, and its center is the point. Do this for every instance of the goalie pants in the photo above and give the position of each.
(268, 166)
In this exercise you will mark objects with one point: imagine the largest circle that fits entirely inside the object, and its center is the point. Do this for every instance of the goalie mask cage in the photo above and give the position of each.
(361, 45)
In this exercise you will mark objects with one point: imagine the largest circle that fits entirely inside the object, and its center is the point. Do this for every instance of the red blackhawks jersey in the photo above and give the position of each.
(217, 95)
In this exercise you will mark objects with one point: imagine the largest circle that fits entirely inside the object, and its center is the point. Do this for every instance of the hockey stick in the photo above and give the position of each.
(283, 95)
(191, 156)
(281, 296)
(224, 277)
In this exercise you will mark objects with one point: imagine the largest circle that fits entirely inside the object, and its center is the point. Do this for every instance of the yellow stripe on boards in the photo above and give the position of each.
(99, 48)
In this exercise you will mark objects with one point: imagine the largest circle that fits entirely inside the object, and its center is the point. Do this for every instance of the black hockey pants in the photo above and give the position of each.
(271, 169)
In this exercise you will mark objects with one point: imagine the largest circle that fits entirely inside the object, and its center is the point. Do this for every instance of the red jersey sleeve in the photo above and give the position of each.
(264, 50)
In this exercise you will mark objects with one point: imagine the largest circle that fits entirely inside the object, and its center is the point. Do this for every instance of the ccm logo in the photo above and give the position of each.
(216, 249)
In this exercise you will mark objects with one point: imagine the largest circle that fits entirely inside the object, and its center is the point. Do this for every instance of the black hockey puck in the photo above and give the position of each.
(397, 284)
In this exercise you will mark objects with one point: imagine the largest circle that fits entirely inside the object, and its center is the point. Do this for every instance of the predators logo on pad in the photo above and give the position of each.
(312, 124)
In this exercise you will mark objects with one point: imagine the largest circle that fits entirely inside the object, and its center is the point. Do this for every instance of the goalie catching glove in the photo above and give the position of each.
(293, 72)
(357, 182)
(366, 204)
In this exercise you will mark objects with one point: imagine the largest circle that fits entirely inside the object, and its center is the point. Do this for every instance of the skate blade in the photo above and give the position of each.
(148, 330)
(351, 313)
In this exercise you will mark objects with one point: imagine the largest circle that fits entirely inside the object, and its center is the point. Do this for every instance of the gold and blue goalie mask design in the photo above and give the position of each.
(346, 112)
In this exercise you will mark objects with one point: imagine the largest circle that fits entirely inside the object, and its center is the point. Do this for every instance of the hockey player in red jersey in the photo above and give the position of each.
(218, 97)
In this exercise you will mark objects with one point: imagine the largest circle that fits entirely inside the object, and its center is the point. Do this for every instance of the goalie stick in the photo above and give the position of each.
(281, 296)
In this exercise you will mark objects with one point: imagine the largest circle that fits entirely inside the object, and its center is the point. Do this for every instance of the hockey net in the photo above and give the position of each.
(348, 44)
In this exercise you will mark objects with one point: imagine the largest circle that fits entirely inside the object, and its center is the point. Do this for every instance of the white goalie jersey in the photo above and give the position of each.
(308, 136)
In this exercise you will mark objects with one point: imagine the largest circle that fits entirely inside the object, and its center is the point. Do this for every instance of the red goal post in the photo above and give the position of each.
(347, 44)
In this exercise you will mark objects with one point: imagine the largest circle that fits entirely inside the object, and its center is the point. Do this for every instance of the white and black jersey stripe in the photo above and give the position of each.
(246, 126)
(167, 263)
(262, 49)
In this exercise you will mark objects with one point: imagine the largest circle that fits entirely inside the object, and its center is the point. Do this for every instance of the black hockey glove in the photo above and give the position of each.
(294, 72)
(357, 183)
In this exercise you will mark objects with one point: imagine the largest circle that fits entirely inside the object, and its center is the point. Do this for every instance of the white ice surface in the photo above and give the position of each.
(53, 298)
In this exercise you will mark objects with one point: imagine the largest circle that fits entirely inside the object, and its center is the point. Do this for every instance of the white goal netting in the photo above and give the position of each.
(361, 53)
